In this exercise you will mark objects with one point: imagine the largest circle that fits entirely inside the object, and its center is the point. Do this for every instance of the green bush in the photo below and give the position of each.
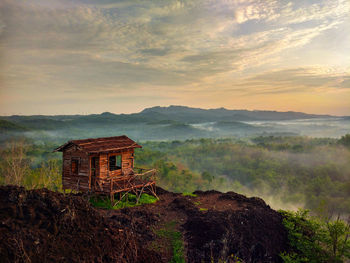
(314, 239)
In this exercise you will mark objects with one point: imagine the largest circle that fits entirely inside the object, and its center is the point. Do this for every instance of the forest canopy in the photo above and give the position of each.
(288, 172)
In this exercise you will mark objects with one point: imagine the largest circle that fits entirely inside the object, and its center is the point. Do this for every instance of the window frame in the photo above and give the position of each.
(77, 164)
(116, 167)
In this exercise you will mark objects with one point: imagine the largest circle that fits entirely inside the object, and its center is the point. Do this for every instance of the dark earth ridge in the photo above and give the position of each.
(45, 226)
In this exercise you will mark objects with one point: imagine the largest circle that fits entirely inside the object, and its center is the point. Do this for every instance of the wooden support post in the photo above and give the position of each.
(78, 185)
(153, 190)
(139, 196)
(111, 198)
(121, 198)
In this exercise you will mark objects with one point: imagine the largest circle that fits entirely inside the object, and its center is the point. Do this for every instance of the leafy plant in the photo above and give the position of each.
(313, 239)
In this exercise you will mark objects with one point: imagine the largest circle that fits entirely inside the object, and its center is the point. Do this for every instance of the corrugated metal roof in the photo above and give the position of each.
(106, 144)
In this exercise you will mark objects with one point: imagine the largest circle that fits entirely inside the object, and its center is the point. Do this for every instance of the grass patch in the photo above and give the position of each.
(203, 209)
(189, 194)
(174, 239)
(197, 203)
(128, 201)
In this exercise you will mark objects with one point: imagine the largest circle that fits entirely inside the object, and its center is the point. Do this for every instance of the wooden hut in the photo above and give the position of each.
(104, 166)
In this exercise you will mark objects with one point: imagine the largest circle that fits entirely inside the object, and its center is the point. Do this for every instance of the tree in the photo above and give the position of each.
(48, 175)
(345, 140)
(314, 239)
(15, 165)
(338, 239)
(207, 176)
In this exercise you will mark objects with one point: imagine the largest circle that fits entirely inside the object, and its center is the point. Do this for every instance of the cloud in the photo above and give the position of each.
(90, 45)
(298, 80)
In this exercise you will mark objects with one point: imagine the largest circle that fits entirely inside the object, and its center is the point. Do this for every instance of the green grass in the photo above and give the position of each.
(203, 209)
(189, 194)
(174, 237)
(127, 201)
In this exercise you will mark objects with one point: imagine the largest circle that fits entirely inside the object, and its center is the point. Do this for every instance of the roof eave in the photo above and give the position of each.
(114, 150)
(64, 146)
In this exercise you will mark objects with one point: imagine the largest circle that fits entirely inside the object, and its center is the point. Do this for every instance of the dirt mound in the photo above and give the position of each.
(233, 228)
(45, 226)
(216, 227)
(253, 235)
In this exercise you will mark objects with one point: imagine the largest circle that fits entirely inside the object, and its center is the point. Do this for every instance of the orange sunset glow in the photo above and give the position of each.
(68, 57)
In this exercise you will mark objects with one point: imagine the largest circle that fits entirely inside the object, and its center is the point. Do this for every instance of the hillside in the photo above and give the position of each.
(188, 114)
(173, 123)
(7, 126)
(157, 114)
(45, 226)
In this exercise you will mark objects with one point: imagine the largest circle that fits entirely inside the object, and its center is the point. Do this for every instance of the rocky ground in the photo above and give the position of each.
(45, 226)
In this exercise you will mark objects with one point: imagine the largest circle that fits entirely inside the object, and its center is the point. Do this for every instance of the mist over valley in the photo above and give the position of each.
(175, 123)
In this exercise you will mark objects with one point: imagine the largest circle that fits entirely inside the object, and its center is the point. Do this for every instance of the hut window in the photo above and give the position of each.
(75, 165)
(115, 162)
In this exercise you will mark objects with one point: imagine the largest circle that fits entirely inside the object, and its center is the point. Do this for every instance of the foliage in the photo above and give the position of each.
(127, 201)
(207, 176)
(7, 126)
(17, 167)
(302, 170)
(296, 170)
(174, 238)
(314, 239)
(345, 140)
(310, 172)
(189, 194)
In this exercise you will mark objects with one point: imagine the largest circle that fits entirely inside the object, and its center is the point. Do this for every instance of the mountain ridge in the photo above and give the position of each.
(164, 123)
(177, 109)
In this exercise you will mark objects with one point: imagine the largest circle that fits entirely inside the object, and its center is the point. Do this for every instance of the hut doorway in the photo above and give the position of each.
(94, 171)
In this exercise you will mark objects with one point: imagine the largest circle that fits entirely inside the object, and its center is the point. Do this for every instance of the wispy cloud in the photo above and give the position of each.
(113, 47)
(316, 79)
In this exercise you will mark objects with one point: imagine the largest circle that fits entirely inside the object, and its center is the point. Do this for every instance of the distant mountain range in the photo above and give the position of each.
(193, 115)
(169, 123)
(157, 114)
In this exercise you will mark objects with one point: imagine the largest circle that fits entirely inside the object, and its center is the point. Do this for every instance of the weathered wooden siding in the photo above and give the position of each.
(105, 174)
(80, 181)
(103, 166)
(127, 161)
(102, 177)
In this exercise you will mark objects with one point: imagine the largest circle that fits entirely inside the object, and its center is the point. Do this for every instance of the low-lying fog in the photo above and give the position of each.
(325, 127)
(316, 127)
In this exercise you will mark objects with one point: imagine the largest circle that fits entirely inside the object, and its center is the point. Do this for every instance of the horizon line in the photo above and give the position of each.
(173, 105)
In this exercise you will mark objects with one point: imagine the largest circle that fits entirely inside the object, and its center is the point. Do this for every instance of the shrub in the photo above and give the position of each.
(314, 239)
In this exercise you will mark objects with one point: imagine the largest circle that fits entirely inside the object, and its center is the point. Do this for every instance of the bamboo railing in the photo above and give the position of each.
(144, 179)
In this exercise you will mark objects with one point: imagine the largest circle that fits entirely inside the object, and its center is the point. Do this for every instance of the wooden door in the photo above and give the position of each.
(95, 168)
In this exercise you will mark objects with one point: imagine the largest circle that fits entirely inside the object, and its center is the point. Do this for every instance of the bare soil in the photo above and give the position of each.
(45, 226)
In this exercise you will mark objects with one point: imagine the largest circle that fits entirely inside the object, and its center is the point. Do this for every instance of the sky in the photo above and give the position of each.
(121, 56)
